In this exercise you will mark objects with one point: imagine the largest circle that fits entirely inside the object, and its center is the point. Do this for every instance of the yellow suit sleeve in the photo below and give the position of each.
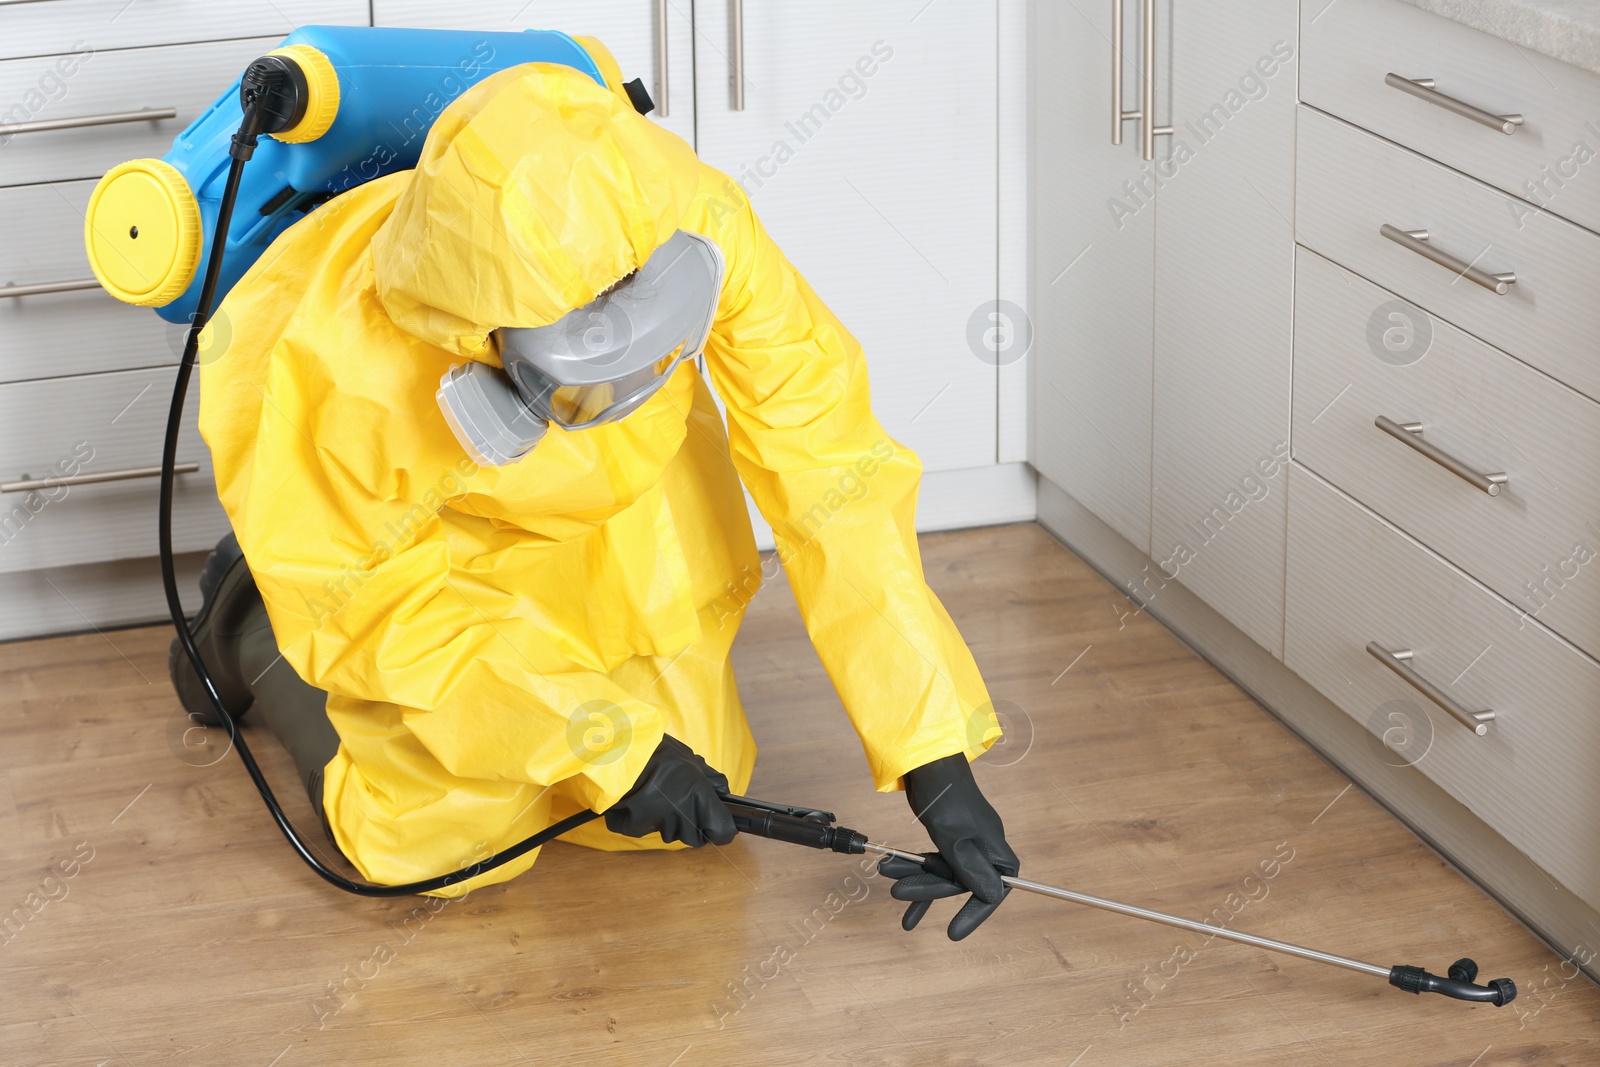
(840, 495)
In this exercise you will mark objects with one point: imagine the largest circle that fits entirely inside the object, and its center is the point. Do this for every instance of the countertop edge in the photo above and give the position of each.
(1568, 30)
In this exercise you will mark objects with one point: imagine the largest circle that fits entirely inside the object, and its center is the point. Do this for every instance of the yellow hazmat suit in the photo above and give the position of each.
(504, 646)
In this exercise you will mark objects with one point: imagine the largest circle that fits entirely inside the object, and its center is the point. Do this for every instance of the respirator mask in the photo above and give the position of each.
(595, 364)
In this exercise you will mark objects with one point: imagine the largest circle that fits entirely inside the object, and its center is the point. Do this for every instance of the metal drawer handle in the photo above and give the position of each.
(1399, 661)
(1422, 89)
(40, 288)
(736, 28)
(1417, 241)
(30, 484)
(1410, 434)
(148, 114)
(1148, 130)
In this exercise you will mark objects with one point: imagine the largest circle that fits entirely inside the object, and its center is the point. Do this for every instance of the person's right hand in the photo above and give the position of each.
(677, 795)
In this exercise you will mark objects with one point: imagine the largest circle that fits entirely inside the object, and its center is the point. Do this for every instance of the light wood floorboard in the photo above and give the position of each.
(193, 936)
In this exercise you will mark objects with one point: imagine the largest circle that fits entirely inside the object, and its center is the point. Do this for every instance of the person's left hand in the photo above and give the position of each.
(971, 840)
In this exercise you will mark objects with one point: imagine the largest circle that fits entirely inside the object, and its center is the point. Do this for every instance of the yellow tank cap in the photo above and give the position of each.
(322, 94)
(142, 232)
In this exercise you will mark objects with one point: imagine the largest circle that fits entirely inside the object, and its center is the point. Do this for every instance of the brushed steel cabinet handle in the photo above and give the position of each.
(1422, 89)
(1147, 91)
(661, 59)
(736, 28)
(30, 484)
(1417, 241)
(1118, 116)
(40, 288)
(1410, 434)
(1399, 661)
(1148, 130)
(110, 119)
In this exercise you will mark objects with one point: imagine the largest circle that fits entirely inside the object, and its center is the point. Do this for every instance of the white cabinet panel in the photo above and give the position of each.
(1091, 270)
(626, 27)
(867, 147)
(1224, 303)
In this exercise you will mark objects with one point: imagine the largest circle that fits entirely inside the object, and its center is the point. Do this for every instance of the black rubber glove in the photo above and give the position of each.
(677, 795)
(972, 855)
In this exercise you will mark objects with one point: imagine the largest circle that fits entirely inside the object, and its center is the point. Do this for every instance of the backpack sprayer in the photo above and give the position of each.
(342, 106)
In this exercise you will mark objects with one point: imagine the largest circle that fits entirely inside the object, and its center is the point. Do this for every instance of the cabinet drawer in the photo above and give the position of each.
(95, 424)
(1349, 47)
(75, 332)
(1354, 579)
(1537, 542)
(186, 78)
(1350, 184)
(53, 27)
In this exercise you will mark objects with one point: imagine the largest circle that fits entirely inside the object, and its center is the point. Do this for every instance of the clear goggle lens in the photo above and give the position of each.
(576, 407)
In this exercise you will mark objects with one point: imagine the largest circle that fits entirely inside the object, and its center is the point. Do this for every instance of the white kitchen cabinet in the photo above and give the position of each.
(1091, 270)
(867, 146)
(113, 428)
(628, 28)
(1355, 578)
(1224, 308)
(1530, 541)
(1176, 341)
(1162, 289)
(1352, 184)
(1353, 47)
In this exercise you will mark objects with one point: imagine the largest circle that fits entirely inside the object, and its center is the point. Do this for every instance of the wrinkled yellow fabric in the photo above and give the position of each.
(503, 646)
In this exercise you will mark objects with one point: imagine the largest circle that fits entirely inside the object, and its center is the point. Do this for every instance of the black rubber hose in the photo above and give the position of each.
(244, 143)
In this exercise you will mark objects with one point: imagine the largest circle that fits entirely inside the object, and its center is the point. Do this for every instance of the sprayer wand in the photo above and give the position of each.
(814, 828)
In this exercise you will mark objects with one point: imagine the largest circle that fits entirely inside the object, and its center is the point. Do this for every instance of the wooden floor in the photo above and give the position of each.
(186, 931)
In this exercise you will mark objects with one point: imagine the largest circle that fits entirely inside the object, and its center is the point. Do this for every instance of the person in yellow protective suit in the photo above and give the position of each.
(502, 646)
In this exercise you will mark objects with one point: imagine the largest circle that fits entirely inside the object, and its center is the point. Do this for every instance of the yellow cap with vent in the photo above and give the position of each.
(142, 232)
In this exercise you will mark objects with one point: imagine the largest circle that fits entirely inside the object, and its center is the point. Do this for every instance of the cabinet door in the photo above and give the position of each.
(1224, 270)
(867, 146)
(1091, 269)
(628, 29)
